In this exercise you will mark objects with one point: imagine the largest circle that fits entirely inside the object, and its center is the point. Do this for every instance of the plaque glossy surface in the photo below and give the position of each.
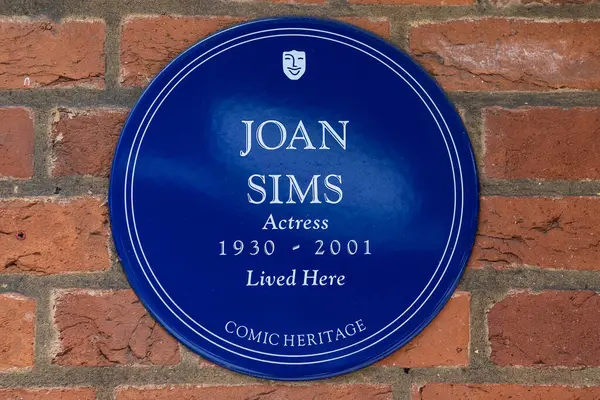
(293, 198)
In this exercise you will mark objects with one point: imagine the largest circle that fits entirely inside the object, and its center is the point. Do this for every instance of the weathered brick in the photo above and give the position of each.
(48, 394)
(542, 143)
(379, 26)
(264, 392)
(444, 391)
(416, 2)
(17, 329)
(510, 54)
(42, 237)
(99, 328)
(552, 328)
(83, 141)
(42, 53)
(141, 58)
(444, 342)
(559, 233)
(16, 142)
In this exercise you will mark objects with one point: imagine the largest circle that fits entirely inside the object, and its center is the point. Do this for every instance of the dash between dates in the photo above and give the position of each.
(320, 248)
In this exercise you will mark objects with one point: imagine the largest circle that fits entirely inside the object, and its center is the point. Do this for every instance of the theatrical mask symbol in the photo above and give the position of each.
(294, 64)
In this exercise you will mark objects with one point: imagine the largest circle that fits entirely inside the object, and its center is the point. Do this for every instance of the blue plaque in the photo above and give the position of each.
(294, 198)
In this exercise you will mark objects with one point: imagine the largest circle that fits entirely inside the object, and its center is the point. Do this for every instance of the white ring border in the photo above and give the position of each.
(346, 44)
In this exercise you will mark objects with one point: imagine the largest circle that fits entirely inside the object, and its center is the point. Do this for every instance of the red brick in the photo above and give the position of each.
(16, 142)
(141, 58)
(552, 328)
(444, 342)
(379, 26)
(66, 54)
(415, 392)
(443, 391)
(416, 2)
(17, 329)
(98, 328)
(558, 233)
(510, 54)
(83, 141)
(262, 392)
(48, 394)
(542, 143)
(42, 237)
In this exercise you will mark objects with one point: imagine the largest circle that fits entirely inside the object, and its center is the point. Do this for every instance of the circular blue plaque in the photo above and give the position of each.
(293, 198)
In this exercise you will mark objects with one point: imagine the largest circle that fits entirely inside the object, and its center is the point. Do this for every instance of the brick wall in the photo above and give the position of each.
(525, 322)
